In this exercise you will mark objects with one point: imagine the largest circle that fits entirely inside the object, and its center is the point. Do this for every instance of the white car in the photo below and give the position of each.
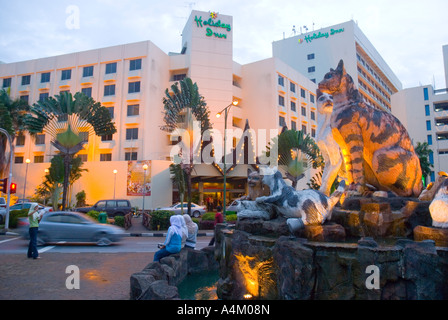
(196, 210)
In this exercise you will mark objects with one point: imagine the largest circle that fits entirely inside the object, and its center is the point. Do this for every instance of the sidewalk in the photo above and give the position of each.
(138, 230)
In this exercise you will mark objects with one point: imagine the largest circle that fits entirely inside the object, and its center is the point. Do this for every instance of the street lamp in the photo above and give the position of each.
(26, 174)
(145, 167)
(226, 111)
(115, 180)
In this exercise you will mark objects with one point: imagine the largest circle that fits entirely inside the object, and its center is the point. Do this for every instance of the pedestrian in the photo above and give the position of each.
(218, 219)
(33, 218)
(192, 229)
(173, 241)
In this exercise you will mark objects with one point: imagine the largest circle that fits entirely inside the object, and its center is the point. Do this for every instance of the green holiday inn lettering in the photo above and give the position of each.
(211, 23)
(319, 35)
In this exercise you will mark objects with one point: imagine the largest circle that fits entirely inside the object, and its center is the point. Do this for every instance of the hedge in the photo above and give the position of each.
(160, 219)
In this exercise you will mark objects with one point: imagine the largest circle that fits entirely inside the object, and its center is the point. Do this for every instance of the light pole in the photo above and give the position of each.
(226, 111)
(145, 167)
(115, 180)
(26, 174)
(8, 198)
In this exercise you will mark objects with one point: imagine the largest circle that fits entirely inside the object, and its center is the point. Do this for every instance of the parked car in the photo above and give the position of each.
(2, 202)
(19, 206)
(196, 210)
(71, 227)
(113, 208)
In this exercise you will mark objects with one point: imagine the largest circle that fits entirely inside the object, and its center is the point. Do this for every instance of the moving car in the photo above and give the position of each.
(71, 227)
(196, 210)
(119, 207)
(19, 206)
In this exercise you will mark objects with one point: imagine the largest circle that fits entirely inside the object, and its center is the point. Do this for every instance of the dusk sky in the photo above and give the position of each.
(408, 34)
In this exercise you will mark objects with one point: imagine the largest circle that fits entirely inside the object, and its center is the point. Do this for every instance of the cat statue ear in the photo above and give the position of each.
(340, 68)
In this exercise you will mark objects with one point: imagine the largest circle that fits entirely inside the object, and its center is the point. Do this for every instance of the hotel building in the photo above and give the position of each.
(314, 53)
(424, 112)
(131, 80)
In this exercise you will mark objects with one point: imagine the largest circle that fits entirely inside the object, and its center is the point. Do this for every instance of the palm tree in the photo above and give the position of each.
(12, 115)
(423, 151)
(296, 153)
(178, 178)
(181, 109)
(64, 117)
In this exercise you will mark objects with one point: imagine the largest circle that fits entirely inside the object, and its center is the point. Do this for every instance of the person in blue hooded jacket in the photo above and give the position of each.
(173, 241)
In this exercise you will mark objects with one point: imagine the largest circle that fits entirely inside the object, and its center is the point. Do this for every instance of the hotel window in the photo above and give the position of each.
(20, 140)
(293, 125)
(87, 71)
(433, 176)
(109, 90)
(293, 106)
(26, 80)
(313, 132)
(429, 138)
(87, 91)
(111, 68)
(18, 159)
(304, 111)
(83, 157)
(302, 93)
(45, 77)
(425, 94)
(133, 110)
(281, 81)
(25, 98)
(66, 74)
(292, 87)
(107, 137)
(130, 156)
(281, 121)
(281, 101)
(38, 159)
(40, 139)
(311, 69)
(132, 134)
(304, 128)
(428, 125)
(431, 157)
(134, 87)
(43, 96)
(310, 56)
(312, 98)
(111, 111)
(313, 115)
(135, 64)
(106, 157)
(179, 77)
(427, 110)
(6, 82)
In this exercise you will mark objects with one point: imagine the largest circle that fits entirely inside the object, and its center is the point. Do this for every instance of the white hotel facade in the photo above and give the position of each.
(131, 80)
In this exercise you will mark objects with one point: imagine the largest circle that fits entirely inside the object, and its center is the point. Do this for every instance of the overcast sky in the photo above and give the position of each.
(409, 34)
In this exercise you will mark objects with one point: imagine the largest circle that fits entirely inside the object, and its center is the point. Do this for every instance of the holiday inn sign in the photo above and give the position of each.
(217, 26)
(309, 38)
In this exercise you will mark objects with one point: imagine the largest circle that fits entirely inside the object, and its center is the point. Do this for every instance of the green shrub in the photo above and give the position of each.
(208, 216)
(231, 217)
(119, 221)
(93, 214)
(14, 216)
(160, 219)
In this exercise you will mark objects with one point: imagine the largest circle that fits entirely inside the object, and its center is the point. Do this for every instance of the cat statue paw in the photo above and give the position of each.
(439, 207)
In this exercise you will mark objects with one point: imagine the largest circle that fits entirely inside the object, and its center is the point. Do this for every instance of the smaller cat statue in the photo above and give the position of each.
(300, 208)
(439, 207)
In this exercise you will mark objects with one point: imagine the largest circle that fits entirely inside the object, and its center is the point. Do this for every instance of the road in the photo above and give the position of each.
(18, 245)
(104, 272)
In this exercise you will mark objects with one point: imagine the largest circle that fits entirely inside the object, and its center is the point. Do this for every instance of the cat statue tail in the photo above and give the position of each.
(335, 196)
